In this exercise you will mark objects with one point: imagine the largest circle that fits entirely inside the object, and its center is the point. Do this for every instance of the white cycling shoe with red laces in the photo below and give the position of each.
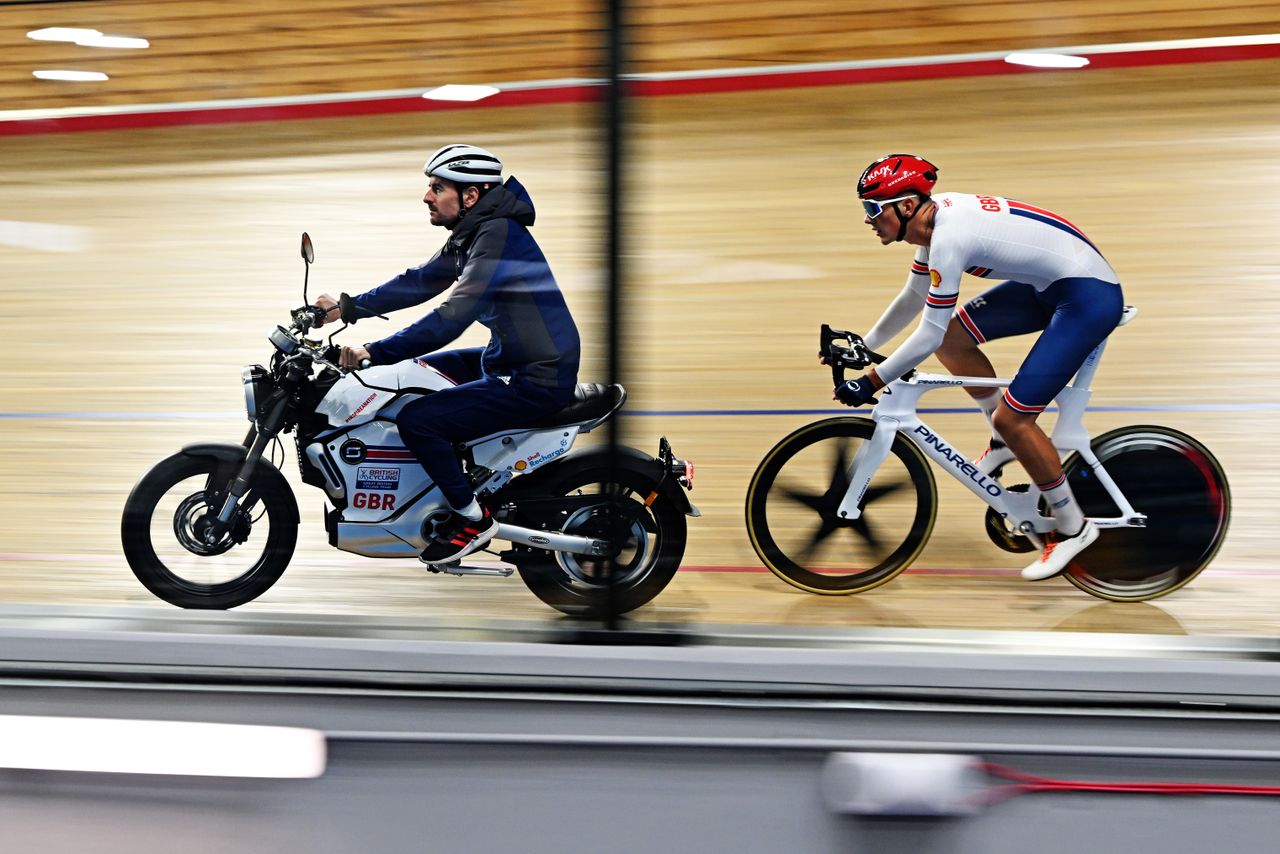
(1059, 551)
(996, 456)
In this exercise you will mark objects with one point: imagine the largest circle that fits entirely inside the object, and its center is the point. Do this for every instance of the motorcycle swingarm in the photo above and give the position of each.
(551, 512)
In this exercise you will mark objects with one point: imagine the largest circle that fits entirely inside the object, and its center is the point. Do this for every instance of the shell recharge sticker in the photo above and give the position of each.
(935, 278)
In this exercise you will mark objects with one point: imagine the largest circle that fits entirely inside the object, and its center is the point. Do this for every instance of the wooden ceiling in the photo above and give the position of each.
(203, 50)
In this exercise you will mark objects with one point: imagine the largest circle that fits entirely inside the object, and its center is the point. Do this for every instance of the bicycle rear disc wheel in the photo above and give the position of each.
(1182, 490)
(795, 493)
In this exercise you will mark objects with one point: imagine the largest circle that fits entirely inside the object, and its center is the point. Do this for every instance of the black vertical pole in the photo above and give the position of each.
(615, 128)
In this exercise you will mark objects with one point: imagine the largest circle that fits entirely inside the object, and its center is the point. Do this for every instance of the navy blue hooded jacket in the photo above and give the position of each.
(504, 282)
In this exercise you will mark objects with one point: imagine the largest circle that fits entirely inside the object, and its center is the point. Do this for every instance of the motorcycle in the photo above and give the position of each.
(591, 533)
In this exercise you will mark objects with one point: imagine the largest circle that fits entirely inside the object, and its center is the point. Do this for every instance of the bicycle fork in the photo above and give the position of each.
(866, 460)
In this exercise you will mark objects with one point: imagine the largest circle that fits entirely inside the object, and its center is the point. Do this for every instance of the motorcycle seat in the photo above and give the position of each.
(591, 402)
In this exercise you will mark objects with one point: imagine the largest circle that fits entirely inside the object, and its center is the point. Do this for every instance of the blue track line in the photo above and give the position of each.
(650, 413)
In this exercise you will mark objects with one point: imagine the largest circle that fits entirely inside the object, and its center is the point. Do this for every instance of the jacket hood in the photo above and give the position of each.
(509, 201)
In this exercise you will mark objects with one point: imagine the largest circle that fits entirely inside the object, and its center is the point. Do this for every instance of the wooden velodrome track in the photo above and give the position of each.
(166, 256)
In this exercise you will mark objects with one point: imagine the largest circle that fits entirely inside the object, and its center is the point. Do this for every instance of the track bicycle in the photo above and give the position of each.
(845, 504)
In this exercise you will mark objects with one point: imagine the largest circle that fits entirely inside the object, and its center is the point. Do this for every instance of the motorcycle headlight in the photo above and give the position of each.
(253, 378)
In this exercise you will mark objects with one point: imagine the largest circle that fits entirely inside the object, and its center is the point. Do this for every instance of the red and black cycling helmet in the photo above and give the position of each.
(893, 178)
(896, 175)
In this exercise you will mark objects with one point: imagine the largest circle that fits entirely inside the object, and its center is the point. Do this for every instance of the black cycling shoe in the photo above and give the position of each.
(457, 536)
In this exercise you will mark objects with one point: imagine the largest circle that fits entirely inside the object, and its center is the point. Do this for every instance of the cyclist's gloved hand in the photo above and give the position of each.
(856, 392)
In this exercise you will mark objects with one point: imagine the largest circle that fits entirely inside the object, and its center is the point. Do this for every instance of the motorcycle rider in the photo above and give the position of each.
(529, 368)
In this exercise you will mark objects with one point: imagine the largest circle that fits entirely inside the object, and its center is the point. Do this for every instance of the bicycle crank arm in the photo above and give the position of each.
(1137, 520)
(553, 540)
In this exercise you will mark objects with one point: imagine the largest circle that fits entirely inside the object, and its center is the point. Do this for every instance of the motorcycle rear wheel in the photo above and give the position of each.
(650, 540)
(161, 534)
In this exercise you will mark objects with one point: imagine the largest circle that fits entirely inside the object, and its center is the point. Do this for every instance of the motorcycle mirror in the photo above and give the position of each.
(308, 255)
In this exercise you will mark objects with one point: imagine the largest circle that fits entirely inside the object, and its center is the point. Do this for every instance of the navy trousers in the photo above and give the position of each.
(477, 406)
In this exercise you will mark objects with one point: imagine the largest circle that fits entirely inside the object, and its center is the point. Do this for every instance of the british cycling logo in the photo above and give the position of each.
(377, 478)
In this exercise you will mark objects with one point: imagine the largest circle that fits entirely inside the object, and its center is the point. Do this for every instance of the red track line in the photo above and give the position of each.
(923, 570)
(559, 93)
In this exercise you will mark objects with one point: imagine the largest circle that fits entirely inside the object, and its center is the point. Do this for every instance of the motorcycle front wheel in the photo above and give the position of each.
(648, 538)
(163, 532)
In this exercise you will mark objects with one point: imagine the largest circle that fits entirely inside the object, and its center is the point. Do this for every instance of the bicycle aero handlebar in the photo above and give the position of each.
(855, 355)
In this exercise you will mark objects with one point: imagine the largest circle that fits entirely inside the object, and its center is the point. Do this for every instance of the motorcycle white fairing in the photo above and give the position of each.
(388, 496)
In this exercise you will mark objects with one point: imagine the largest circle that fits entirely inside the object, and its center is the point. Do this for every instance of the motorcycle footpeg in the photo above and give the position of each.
(456, 568)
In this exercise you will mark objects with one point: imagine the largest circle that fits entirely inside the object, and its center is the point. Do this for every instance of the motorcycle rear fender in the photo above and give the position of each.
(231, 457)
(596, 457)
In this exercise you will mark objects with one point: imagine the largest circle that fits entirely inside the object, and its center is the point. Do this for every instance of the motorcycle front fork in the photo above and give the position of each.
(256, 441)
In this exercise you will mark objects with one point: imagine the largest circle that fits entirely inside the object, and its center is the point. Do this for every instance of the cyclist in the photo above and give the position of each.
(1056, 283)
(529, 368)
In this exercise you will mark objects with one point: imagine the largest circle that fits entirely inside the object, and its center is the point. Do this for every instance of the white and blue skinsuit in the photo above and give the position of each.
(1056, 281)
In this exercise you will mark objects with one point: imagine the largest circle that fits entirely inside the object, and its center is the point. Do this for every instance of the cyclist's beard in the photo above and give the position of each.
(450, 223)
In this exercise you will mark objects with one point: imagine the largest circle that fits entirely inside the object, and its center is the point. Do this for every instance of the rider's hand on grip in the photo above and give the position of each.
(308, 317)
(325, 309)
(856, 392)
(355, 357)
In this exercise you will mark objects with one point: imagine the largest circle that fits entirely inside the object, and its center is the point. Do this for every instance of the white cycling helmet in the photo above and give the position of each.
(464, 164)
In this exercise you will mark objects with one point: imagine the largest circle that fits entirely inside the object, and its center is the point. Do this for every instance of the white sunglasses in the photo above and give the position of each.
(875, 208)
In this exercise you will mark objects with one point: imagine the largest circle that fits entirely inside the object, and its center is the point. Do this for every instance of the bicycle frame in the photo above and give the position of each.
(896, 413)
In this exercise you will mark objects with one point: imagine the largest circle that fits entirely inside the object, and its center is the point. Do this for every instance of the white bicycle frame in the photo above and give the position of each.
(896, 413)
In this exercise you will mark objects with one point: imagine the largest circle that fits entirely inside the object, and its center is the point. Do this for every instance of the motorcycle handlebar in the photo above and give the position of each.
(308, 317)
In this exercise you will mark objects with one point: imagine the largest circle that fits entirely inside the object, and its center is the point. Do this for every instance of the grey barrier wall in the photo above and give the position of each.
(509, 745)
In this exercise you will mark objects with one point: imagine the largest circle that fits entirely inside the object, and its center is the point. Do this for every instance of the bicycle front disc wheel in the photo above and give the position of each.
(1182, 490)
(794, 497)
